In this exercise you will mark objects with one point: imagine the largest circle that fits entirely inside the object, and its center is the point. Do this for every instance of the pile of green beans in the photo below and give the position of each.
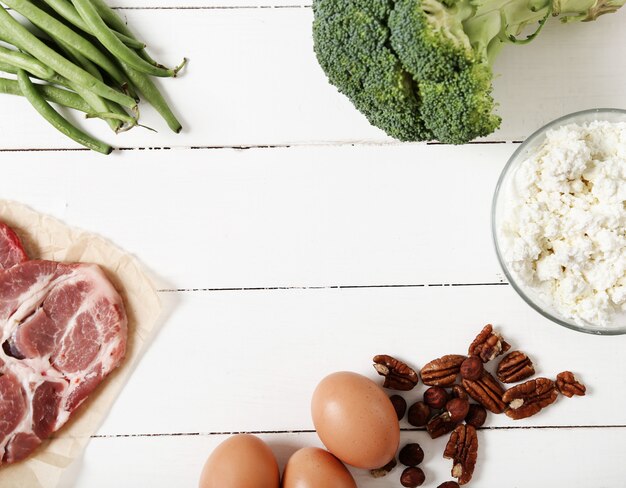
(83, 57)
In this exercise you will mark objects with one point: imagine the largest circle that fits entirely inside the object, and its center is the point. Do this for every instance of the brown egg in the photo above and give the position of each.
(312, 467)
(241, 461)
(355, 420)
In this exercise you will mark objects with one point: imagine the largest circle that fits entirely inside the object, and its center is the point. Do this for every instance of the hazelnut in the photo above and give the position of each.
(435, 397)
(472, 368)
(399, 405)
(476, 416)
(449, 484)
(418, 415)
(457, 409)
(412, 477)
(411, 455)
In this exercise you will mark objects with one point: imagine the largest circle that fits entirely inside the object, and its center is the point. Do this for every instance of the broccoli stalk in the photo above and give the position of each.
(584, 10)
(422, 69)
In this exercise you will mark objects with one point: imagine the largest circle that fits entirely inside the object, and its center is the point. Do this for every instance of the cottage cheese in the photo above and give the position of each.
(562, 232)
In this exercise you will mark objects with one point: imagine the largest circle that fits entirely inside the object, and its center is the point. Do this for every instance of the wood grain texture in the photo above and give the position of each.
(520, 459)
(253, 80)
(316, 216)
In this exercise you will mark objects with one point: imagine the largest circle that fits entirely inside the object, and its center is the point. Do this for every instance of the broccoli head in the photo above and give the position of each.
(422, 69)
(352, 46)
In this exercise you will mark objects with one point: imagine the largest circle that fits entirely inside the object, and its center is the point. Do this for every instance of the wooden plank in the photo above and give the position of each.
(246, 361)
(576, 458)
(314, 216)
(253, 80)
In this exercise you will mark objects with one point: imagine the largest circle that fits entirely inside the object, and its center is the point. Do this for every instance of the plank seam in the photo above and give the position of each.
(206, 7)
(243, 147)
(212, 7)
(312, 431)
(331, 287)
(328, 287)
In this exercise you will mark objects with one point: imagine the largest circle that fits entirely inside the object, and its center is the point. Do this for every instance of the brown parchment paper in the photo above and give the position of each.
(47, 238)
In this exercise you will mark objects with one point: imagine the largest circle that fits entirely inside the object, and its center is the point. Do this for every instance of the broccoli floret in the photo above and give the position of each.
(428, 37)
(451, 69)
(420, 69)
(352, 46)
(460, 108)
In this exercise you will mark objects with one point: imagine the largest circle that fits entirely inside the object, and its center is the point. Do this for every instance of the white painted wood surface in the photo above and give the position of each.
(305, 216)
(279, 265)
(516, 459)
(261, 84)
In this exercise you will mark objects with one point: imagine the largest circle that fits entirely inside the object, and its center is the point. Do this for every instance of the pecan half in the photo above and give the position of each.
(440, 424)
(488, 344)
(486, 391)
(529, 398)
(398, 376)
(514, 367)
(442, 371)
(569, 385)
(462, 448)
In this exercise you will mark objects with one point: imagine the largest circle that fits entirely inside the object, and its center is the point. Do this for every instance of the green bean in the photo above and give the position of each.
(104, 34)
(20, 37)
(116, 109)
(95, 102)
(108, 15)
(53, 94)
(132, 43)
(81, 61)
(55, 119)
(58, 30)
(59, 96)
(146, 88)
(104, 105)
(114, 116)
(26, 62)
(66, 10)
(115, 22)
(130, 122)
(90, 100)
(78, 59)
(7, 68)
(56, 79)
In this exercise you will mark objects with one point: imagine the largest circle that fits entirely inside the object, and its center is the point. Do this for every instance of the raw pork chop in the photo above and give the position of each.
(63, 330)
(11, 250)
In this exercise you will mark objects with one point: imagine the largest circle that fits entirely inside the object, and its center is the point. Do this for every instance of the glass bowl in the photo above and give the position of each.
(521, 154)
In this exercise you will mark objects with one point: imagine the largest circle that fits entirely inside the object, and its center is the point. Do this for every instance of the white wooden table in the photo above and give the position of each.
(290, 239)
